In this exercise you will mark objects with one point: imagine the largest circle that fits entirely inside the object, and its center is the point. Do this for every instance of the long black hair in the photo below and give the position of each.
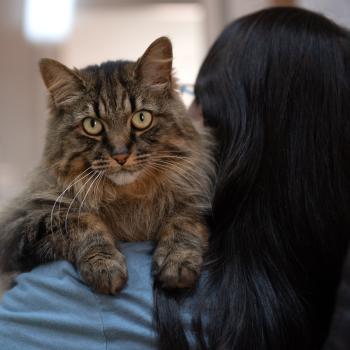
(275, 90)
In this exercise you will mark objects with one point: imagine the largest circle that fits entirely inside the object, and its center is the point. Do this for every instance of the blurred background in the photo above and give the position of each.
(83, 32)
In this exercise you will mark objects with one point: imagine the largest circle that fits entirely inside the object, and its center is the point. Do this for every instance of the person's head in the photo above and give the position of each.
(275, 86)
(275, 89)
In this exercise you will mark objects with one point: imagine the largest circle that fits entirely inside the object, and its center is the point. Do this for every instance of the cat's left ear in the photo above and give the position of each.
(154, 68)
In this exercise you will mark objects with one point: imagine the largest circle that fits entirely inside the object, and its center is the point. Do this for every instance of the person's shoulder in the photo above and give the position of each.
(50, 308)
(47, 288)
(54, 277)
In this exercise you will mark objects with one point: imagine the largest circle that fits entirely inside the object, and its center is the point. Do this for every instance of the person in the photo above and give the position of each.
(274, 89)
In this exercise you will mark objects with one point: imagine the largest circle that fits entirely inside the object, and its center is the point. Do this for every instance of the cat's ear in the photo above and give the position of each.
(155, 66)
(64, 84)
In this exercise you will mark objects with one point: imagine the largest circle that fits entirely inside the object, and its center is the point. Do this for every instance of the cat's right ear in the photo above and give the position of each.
(64, 85)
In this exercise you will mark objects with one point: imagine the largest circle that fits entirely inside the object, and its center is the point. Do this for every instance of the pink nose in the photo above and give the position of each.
(121, 158)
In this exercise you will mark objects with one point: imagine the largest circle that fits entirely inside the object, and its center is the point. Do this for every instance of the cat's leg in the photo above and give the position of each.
(178, 258)
(101, 264)
(37, 237)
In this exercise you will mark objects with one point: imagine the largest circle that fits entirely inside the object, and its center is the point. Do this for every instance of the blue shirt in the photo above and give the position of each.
(51, 308)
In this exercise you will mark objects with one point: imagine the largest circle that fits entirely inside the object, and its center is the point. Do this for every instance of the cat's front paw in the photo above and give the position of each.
(177, 268)
(104, 275)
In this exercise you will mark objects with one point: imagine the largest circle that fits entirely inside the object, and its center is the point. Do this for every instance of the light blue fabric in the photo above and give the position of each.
(50, 308)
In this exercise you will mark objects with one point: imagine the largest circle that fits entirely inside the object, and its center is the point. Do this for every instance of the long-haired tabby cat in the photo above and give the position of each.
(122, 161)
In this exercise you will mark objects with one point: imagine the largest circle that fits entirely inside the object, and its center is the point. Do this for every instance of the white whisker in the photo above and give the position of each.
(98, 184)
(87, 192)
(70, 206)
(78, 178)
(190, 179)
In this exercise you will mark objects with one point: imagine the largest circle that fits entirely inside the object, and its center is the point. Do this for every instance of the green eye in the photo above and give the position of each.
(92, 126)
(141, 120)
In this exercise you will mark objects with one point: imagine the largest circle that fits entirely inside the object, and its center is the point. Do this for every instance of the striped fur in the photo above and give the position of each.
(81, 201)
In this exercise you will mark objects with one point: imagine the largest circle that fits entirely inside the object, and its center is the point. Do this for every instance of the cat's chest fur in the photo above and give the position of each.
(138, 218)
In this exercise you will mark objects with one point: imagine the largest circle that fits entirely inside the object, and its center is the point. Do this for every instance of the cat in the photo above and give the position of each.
(122, 162)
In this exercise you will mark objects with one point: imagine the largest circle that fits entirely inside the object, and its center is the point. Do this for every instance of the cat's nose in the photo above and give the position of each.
(121, 155)
(121, 158)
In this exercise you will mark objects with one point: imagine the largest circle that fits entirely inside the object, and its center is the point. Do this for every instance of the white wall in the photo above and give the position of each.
(338, 10)
(21, 103)
(102, 34)
(221, 12)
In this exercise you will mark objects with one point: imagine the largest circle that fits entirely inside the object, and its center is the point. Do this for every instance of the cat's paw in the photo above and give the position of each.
(176, 268)
(104, 275)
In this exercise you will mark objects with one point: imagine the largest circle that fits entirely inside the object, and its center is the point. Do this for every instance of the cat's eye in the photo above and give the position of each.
(141, 120)
(92, 126)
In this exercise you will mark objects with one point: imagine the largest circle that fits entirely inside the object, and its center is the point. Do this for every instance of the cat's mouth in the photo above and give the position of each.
(118, 174)
(123, 177)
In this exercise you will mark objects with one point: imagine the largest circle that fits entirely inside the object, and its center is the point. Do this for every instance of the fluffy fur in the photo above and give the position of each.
(83, 199)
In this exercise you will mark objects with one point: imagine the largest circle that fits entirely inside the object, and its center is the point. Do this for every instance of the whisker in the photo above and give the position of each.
(59, 205)
(189, 179)
(181, 162)
(98, 182)
(75, 180)
(70, 206)
(85, 176)
(87, 192)
(141, 156)
(173, 165)
(170, 166)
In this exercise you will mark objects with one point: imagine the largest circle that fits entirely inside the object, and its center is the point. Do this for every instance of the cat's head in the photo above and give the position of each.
(122, 118)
